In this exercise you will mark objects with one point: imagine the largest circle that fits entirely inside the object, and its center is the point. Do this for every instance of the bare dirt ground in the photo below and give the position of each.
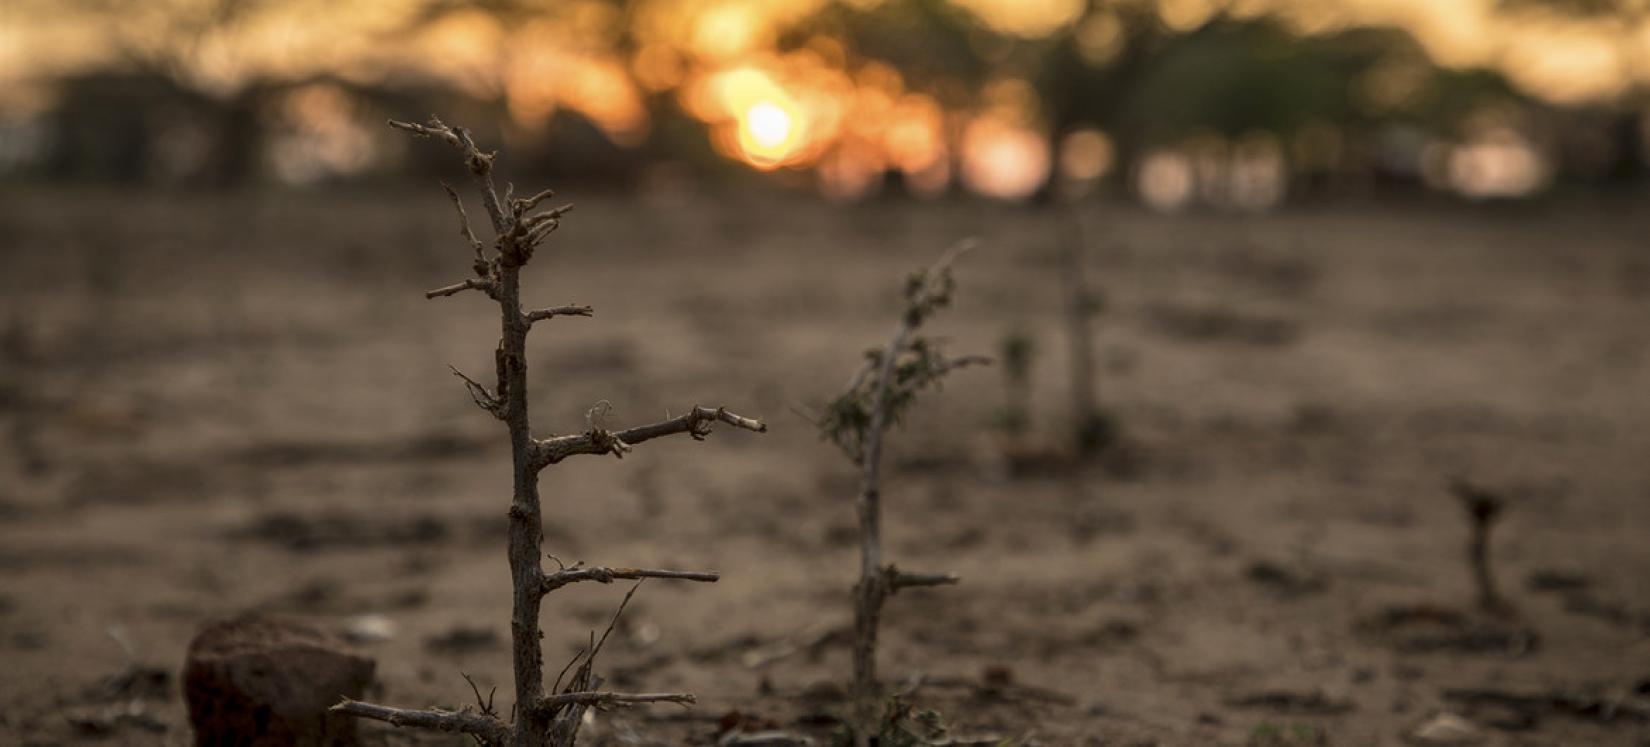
(216, 403)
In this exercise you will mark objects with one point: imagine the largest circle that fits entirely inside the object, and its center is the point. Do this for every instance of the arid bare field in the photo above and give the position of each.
(216, 403)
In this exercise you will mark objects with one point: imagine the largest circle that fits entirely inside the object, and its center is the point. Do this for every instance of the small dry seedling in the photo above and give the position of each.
(540, 718)
(1016, 350)
(1093, 429)
(1483, 507)
(879, 393)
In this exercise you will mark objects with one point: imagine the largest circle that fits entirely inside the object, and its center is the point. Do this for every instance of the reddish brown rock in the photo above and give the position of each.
(253, 681)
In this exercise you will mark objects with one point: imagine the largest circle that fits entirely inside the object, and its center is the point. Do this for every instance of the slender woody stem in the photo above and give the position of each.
(877, 582)
(540, 720)
(1079, 313)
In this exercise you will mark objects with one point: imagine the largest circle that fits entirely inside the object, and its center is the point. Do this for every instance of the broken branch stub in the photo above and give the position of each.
(463, 721)
(597, 440)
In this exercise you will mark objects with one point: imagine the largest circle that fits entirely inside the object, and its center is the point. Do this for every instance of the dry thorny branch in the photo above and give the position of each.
(539, 718)
(875, 399)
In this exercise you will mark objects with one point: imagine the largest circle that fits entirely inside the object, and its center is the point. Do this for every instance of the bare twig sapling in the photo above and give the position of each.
(540, 717)
(1092, 428)
(856, 421)
(1483, 507)
(1016, 351)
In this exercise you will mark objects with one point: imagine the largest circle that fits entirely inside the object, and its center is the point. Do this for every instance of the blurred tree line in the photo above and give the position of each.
(1118, 69)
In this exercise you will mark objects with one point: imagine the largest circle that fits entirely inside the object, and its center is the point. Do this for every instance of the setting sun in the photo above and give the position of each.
(769, 132)
(768, 124)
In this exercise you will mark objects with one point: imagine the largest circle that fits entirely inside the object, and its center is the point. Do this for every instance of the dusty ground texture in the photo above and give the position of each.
(218, 403)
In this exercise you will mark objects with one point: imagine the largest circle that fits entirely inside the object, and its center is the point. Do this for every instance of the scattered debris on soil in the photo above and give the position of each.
(773, 738)
(1308, 703)
(328, 594)
(1446, 730)
(1290, 735)
(363, 629)
(1425, 628)
(996, 684)
(1615, 613)
(757, 655)
(1549, 580)
(299, 532)
(1285, 580)
(463, 639)
(135, 681)
(109, 720)
(1518, 711)
(740, 729)
(423, 447)
(131, 698)
(1217, 324)
(1581, 597)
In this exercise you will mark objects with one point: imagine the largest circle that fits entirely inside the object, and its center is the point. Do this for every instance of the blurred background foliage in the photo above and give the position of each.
(1234, 104)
